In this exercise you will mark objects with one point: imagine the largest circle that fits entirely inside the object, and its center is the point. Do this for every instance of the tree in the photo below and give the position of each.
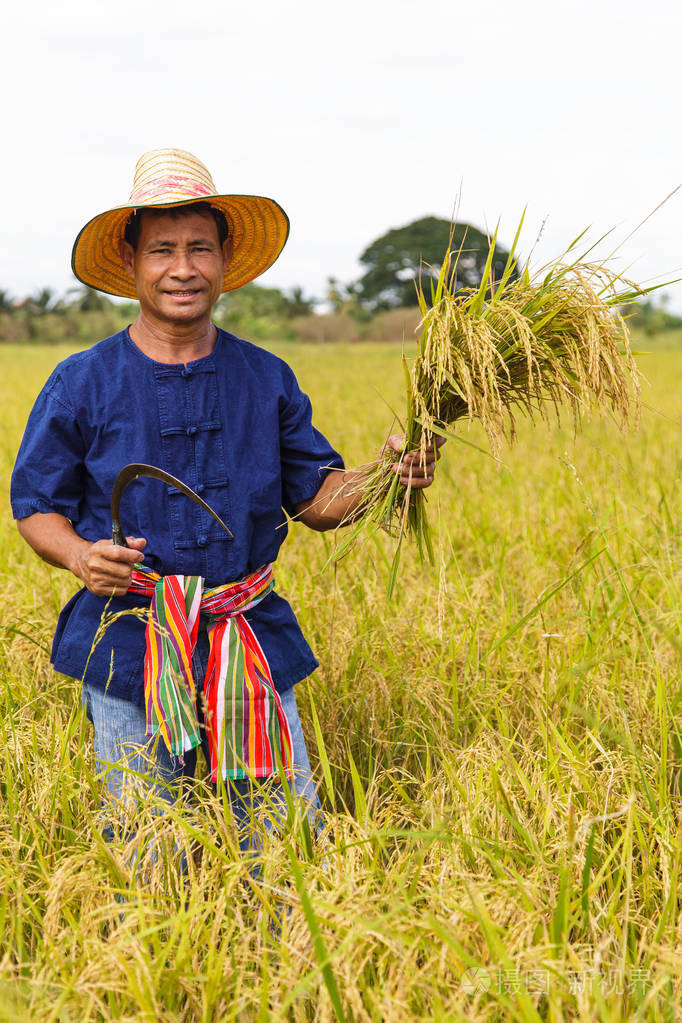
(88, 300)
(253, 301)
(44, 301)
(651, 317)
(394, 261)
(299, 305)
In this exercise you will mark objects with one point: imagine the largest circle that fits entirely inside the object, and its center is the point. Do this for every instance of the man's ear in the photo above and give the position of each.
(127, 253)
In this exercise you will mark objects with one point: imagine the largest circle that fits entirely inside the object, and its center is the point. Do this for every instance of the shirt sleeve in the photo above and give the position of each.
(48, 472)
(306, 455)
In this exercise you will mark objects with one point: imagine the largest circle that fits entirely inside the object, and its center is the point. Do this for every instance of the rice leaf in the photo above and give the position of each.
(319, 946)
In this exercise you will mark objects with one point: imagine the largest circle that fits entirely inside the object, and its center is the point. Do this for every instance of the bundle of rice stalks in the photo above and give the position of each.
(524, 344)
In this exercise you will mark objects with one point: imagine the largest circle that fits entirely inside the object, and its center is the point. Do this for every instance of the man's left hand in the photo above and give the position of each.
(414, 471)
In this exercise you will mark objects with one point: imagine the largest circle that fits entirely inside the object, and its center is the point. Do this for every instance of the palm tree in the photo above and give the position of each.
(87, 300)
(40, 303)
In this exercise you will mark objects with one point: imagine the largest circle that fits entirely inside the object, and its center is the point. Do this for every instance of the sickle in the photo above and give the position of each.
(129, 473)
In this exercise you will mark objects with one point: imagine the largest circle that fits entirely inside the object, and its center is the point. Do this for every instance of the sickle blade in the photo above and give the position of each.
(131, 472)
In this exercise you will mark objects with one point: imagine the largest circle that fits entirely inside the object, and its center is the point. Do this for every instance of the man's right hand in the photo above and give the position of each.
(102, 566)
(106, 568)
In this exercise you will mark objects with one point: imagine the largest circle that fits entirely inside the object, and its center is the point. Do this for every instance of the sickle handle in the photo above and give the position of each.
(117, 534)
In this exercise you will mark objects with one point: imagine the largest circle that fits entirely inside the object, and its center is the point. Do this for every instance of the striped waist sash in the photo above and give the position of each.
(246, 726)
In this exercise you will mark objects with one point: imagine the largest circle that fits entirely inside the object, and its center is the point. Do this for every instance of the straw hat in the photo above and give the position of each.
(171, 177)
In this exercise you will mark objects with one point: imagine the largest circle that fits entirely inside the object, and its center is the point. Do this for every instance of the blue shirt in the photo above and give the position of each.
(234, 425)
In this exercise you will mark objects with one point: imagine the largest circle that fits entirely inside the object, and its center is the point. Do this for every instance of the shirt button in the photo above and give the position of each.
(191, 430)
(200, 488)
(202, 540)
(187, 372)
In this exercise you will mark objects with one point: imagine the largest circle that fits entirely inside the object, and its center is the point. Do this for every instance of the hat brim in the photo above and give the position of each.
(258, 227)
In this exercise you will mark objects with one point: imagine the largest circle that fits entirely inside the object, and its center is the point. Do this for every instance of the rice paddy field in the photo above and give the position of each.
(498, 750)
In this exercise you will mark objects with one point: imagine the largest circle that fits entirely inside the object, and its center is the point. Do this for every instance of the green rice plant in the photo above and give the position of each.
(526, 344)
(500, 774)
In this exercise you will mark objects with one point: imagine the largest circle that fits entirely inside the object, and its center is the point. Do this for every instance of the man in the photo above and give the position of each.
(224, 417)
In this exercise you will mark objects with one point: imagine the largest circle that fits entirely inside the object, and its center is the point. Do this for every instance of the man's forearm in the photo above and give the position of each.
(338, 498)
(54, 539)
(102, 566)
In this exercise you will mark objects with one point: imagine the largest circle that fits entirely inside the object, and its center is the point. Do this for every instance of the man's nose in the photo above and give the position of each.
(182, 265)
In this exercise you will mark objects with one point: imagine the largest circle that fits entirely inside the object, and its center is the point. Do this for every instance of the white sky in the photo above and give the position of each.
(356, 117)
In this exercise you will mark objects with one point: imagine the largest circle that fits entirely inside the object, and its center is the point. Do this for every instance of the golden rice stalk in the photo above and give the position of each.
(529, 345)
(532, 347)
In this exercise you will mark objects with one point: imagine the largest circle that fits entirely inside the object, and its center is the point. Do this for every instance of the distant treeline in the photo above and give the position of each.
(380, 305)
(84, 316)
(651, 318)
(260, 314)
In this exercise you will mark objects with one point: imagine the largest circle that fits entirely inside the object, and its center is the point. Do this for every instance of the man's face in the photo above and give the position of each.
(178, 267)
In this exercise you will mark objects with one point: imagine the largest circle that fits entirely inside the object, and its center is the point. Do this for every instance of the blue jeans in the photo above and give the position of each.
(133, 765)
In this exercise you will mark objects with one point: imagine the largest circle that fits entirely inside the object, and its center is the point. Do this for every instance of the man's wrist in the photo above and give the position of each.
(76, 556)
